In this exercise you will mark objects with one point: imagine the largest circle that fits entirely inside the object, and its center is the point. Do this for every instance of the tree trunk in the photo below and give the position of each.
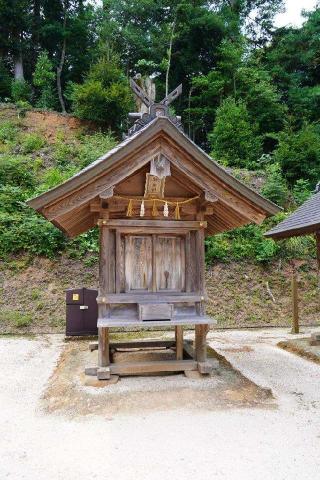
(61, 63)
(170, 54)
(18, 67)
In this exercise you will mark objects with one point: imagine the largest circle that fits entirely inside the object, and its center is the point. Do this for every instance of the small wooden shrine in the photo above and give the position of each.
(154, 197)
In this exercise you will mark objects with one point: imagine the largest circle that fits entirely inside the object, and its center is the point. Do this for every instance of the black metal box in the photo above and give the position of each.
(81, 311)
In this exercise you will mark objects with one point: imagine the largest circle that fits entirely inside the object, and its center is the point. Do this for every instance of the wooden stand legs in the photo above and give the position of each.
(103, 350)
(201, 348)
(179, 342)
(195, 359)
(201, 343)
(103, 371)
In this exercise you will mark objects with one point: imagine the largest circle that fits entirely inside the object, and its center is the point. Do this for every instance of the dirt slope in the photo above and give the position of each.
(32, 293)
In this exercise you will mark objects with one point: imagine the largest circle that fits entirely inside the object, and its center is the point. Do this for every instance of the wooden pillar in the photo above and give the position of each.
(201, 264)
(103, 309)
(103, 347)
(201, 342)
(317, 235)
(179, 342)
(295, 308)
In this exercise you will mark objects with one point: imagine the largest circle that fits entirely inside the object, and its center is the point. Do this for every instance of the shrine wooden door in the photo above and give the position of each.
(154, 263)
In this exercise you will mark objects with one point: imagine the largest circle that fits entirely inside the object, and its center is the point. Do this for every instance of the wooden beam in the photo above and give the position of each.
(97, 186)
(200, 342)
(172, 96)
(150, 298)
(125, 223)
(136, 344)
(179, 342)
(295, 301)
(136, 368)
(141, 94)
(103, 348)
(198, 176)
(118, 262)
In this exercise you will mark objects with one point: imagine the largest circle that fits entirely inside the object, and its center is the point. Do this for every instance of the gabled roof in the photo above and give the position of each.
(131, 154)
(305, 220)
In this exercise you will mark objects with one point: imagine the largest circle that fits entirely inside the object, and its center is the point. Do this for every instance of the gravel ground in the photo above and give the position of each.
(247, 443)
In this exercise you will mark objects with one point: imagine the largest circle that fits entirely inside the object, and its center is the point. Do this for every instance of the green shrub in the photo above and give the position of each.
(31, 233)
(275, 188)
(16, 170)
(21, 91)
(64, 152)
(32, 142)
(15, 318)
(94, 146)
(88, 242)
(298, 153)
(234, 139)
(104, 96)
(54, 176)
(301, 191)
(8, 132)
(244, 242)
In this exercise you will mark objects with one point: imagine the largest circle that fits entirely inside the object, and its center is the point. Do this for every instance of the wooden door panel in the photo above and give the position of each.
(170, 263)
(138, 263)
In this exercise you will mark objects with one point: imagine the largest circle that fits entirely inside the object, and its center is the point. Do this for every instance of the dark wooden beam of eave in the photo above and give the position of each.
(294, 232)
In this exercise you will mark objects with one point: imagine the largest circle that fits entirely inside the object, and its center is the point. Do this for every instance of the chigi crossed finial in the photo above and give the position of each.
(155, 109)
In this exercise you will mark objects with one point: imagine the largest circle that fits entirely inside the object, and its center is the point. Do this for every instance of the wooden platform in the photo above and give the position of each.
(179, 320)
(186, 363)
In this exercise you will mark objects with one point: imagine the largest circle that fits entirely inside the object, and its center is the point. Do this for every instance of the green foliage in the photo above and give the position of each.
(84, 151)
(298, 153)
(94, 146)
(27, 231)
(16, 319)
(275, 188)
(301, 191)
(234, 139)
(16, 170)
(244, 242)
(21, 91)
(22, 177)
(32, 142)
(105, 96)
(86, 243)
(43, 78)
(8, 132)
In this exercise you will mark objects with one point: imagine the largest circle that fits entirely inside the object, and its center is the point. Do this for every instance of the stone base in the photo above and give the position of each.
(315, 339)
(103, 373)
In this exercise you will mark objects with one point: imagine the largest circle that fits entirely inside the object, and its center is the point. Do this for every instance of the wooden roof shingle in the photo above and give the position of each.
(305, 220)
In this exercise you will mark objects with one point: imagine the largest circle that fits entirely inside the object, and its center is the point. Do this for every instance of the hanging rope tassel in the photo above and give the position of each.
(130, 209)
(177, 212)
(166, 210)
(155, 212)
